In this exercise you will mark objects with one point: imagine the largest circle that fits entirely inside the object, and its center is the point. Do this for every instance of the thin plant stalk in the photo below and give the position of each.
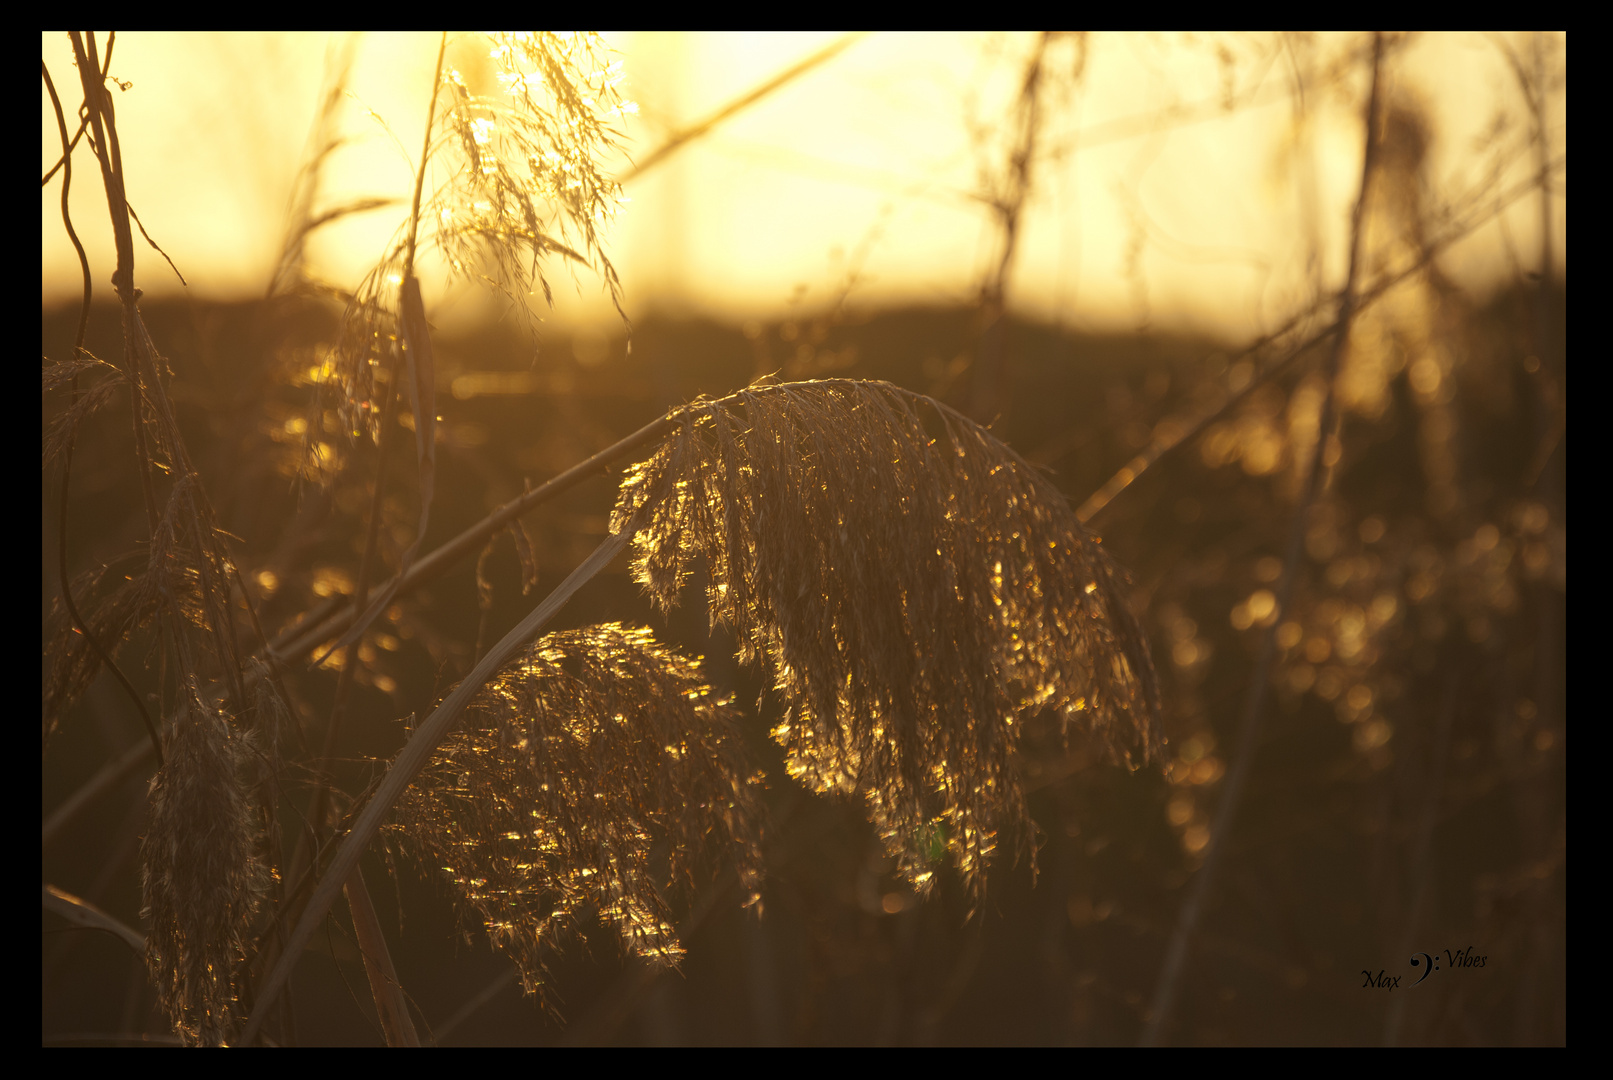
(309, 839)
(441, 1032)
(681, 138)
(302, 639)
(81, 912)
(388, 422)
(410, 760)
(1169, 986)
(991, 377)
(1151, 455)
(1422, 845)
(390, 1005)
(109, 777)
(378, 962)
(68, 602)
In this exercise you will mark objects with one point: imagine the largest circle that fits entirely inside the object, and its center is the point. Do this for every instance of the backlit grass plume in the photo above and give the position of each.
(575, 773)
(918, 591)
(202, 872)
(517, 180)
(529, 181)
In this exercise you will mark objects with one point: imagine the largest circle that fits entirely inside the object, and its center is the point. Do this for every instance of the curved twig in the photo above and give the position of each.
(81, 912)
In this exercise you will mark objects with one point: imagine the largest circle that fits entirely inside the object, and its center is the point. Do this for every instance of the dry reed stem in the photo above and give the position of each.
(414, 756)
(1489, 209)
(917, 596)
(682, 137)
(64, 448)
(308, 634)
(203, 865)
(391, 1007)
(80, 912)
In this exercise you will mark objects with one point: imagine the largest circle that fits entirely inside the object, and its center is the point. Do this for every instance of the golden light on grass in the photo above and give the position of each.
(569, 768)
(926, 609)
(917, 592)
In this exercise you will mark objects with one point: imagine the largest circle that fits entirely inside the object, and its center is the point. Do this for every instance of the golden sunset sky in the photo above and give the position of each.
(1179, 181)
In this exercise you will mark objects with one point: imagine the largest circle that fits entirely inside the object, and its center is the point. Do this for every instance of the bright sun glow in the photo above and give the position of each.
(1176, 180)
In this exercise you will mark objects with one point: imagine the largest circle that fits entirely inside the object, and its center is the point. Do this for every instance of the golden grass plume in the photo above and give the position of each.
(575, 769)
(917, 590)
(523, 181)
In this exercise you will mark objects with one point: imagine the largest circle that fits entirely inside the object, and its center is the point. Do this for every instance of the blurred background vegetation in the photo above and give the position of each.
(1408, 793)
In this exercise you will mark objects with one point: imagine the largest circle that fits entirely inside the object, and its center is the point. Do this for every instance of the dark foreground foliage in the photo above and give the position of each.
(1410, 795)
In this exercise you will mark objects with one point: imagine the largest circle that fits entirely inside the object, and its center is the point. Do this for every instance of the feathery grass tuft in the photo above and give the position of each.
(578, 766)
(918, 591)
(524, 183)
(202, 872)
(529, 183)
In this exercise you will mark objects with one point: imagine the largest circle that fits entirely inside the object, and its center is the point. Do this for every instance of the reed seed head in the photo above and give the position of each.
(917, 590)
(202, 872)
(577, 771)
(518, 179)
